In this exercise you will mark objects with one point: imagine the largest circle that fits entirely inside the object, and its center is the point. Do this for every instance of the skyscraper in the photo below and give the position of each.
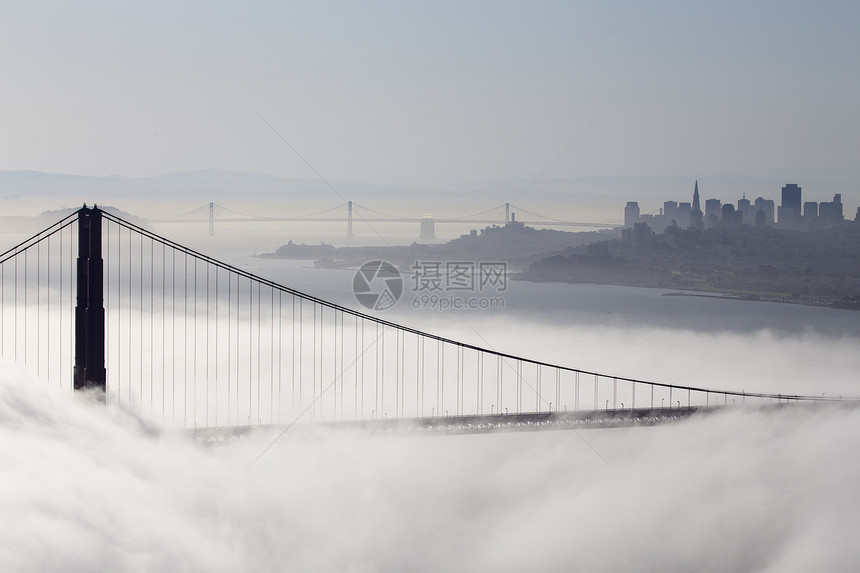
(791, 200)
(696, 205)
(830, 212)
(766, 206)
(696, 218)
(685, 213)
(713, 212)
(745, 208)
(670, 211)
(728, 213)
(810, 213)
(631, 214)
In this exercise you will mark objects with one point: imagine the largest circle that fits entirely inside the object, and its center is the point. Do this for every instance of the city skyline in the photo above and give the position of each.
(791, 213)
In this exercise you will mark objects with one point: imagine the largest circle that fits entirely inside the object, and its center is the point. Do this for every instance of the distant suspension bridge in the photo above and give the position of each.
(500, 214)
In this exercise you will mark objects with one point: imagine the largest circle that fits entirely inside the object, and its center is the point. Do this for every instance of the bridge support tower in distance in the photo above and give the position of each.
(427, 231)
(89, 372)
(211, 218)
(349, 219)
(507, 213)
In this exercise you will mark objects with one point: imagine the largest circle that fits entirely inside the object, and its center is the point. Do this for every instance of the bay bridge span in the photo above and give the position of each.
(349, 213)
(185, 340)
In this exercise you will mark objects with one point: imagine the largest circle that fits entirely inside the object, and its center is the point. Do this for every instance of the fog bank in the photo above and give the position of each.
(88, 489)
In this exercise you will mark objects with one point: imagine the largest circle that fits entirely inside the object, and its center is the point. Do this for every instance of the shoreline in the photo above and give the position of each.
(740, 296)
(756, 298)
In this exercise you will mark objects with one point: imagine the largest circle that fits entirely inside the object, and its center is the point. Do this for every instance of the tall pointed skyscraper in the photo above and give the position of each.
(697, 221)
(696, 206)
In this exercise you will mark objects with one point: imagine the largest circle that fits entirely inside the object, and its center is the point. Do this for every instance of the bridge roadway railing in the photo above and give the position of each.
(480, 424)
(193, 342)
(468, 424)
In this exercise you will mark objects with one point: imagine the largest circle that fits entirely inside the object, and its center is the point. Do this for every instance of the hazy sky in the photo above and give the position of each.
(432, 92)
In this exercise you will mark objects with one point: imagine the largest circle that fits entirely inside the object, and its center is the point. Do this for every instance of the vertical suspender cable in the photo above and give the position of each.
(320, 361)
(163, 328)
(259, 334)
(15, 300)
(38, 308)
(229, 340)
(479, 393)
(206, 393)
(130, 302)
(238, 342)
(185, 344)
(195, 352)
(3, 303)
(457, 382)
(280, 351)
(342, 371)
(119, 268)
(250, 346)
(359, 412)
(108, 362)
(499, 384)
(26, 307)
(140, 320)
(217, 346)
(151, 326)
(173, 338)
(293, 359)
(397, 373)
(272, 357)
(419, 376)
(301, 346)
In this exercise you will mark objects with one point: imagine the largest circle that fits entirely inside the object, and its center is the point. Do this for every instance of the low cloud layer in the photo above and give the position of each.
(806, 362)
(746, 490)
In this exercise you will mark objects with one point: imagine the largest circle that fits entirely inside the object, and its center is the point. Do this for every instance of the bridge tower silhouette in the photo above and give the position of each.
(185, 340)
(89, 369)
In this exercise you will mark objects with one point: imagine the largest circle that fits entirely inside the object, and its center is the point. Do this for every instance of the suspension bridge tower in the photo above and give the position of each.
(89, 371)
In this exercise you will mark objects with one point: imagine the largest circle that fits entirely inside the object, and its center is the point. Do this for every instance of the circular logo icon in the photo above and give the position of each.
(377, 285)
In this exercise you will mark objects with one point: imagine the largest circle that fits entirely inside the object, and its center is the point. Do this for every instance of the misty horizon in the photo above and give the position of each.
(594, 200)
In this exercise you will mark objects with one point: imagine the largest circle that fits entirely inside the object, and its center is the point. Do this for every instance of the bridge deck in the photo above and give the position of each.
(476, 424)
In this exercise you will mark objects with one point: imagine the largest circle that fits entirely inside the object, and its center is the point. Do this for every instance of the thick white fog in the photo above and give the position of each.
(86, 488)
(805, 362)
